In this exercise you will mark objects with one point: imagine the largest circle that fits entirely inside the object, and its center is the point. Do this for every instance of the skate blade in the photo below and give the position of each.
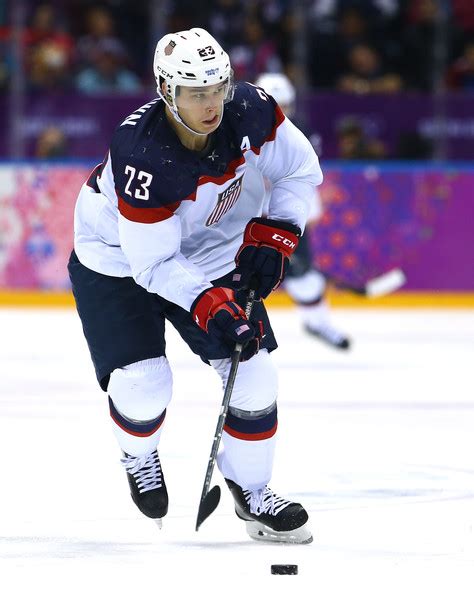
(158, 522)
(259, 531)
(343, 344)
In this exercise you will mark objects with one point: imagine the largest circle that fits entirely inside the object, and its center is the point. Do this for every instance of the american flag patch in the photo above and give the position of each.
(169, 48)
(225, 201)
(241, 329)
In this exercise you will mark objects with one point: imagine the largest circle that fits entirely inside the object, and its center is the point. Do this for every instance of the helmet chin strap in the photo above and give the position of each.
(178, 118)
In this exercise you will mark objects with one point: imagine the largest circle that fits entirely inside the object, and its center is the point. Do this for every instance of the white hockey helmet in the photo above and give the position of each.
(190, 59)
(279, 86)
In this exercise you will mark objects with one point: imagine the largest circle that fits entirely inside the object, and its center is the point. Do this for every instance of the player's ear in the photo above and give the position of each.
(164, 90)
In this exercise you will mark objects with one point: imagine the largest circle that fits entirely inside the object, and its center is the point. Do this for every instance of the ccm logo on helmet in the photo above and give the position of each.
(284, 240)
(163, 72)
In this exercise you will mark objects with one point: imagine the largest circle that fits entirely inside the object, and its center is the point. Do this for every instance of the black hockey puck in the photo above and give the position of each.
(284, 569)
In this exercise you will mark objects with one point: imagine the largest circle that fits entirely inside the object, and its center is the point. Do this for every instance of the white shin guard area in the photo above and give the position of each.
(142, 390)
(256, 384)
(247, 463)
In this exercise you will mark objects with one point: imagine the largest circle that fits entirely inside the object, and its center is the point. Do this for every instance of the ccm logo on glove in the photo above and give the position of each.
(264, 255)
(284, 240)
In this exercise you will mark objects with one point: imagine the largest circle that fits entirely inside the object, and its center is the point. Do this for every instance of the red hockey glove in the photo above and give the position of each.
(216, 312)
(264, 255)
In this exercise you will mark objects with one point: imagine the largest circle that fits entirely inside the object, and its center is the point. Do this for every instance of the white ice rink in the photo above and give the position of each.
(378, 444)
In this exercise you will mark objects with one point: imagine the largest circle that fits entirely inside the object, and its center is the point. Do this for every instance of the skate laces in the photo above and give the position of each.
(146, 470)
(265, 501)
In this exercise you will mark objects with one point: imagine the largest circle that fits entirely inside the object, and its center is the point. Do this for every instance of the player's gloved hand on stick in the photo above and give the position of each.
(264, 255)
(216, 312)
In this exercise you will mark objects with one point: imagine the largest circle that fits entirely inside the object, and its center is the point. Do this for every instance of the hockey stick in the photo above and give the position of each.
(375, 287)
(210, 499)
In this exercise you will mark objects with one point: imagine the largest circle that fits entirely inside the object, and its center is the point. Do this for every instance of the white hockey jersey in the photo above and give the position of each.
(172, 218)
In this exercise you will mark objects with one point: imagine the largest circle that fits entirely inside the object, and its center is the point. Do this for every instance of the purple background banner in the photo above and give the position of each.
(420, 218)
(376, 217)
(89, 121)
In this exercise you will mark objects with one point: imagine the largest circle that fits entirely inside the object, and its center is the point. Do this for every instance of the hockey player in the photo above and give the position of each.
(168, 227)
(304, 284)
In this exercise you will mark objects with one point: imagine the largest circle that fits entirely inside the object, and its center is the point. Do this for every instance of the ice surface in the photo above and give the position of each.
(377, 443)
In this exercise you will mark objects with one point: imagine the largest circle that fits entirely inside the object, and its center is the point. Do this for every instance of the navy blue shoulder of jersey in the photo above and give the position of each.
(254, 114)
(154, 172)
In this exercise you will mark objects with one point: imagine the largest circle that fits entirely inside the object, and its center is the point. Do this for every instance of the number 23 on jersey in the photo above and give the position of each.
(138, 184)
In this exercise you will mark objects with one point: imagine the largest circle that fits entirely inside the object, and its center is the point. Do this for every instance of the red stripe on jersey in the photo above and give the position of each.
(229, 174)
(280, 116)
(145, 215)
(252, 436)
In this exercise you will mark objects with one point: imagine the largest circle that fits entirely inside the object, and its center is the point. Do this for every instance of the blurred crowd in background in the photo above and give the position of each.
(350, 47)
(355, 46)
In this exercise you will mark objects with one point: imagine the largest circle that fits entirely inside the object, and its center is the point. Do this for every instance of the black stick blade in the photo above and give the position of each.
(208, 504)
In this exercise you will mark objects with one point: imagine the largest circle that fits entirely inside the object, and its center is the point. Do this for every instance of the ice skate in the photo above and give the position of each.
(316, 322)
(147, 485)
(269, 517)
(329, 335)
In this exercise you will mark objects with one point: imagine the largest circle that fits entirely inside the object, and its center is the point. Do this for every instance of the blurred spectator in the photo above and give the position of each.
(331, 43)
(107, 75)
(366, 74)
(48, 68)
(51, 144)
(345, 25)
(353, 27)
(461, 74)
(353, 143)
(100, 37)
(424, 41)
(226, 22)
(256, 53)
(48, 52)
(186, 14)
(287, 31)
(463, 12)
(45, 29)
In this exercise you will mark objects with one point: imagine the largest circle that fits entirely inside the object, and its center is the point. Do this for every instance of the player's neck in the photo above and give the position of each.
(193, 142)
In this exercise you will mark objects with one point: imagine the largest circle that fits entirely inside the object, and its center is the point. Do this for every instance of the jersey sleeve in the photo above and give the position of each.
(286, 157)
(157, 264)
(150, 232)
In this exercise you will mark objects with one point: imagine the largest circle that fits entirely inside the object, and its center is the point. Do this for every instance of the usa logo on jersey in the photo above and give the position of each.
(225, 201)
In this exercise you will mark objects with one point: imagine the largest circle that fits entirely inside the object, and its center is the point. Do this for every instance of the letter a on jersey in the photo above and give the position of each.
(245, 146)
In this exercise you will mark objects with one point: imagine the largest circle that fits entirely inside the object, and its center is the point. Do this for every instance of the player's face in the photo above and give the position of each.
(201, 107)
